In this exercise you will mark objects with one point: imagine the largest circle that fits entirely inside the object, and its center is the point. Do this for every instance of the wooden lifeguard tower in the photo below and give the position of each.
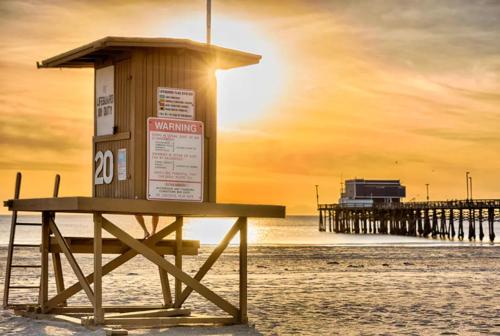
(154, 153)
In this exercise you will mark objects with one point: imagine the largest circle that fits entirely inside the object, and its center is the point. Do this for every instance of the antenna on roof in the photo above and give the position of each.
(209, 21)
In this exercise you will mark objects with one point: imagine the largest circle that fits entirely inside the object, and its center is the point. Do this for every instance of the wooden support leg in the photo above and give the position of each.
(44, 277)
(165, 287)
(98, 311)
(58, 273)
(178, 260)
(56, 257)
(243, 318)
(10, 250)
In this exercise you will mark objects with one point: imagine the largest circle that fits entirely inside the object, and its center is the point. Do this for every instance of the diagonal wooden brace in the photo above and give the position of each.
(71, 259)
(111, 265)
(155, 258)
(214, 256)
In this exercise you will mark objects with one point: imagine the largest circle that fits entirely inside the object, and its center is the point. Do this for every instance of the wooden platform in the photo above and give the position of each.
(144, 207)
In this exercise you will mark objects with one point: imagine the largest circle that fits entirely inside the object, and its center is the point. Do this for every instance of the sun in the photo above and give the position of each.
(244, 95)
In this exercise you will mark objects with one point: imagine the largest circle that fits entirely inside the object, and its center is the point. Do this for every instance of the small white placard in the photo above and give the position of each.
(175, 103)
(122, 164)
(105, 100)
(175, 160)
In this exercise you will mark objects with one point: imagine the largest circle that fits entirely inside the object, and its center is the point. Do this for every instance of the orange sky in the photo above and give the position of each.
(373, 89)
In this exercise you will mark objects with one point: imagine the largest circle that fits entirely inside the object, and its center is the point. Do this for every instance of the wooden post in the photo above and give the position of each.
(98, 311)
(178, 259)
(472, 224)
(165, 287)
(342, 221)
(336, 221)
(371, 221)
(330, 220)
(243, 318)
(419, 223)
(56, 257)
(10, 250)
(356, 221)
(443, 231)
(491, 223)
(427, 223)
(348, 221)
(480, 219)
(365, 221)
(461, 224)
(385, 226)
(58, 273)
(451, 230)
(57, 182)
(321, 228)
(44, 276)
(434, 224)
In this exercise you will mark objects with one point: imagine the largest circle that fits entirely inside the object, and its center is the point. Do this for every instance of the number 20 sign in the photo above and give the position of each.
(103, 167)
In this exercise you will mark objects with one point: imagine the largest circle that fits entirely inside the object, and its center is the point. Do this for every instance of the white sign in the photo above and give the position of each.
(122, 164)
(175, 160)
(105, 100)
(103, 167)
(175, 103)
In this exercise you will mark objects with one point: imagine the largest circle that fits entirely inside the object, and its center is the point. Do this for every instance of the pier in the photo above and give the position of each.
(436, 219)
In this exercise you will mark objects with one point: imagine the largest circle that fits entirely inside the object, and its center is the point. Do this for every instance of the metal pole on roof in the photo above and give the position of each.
(209, 21)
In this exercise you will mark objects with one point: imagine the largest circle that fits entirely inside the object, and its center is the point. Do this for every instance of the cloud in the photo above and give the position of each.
(29, 131)
(482, 137)
(22, 165)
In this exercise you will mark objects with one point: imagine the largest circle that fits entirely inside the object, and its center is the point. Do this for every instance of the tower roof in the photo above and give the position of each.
(89, 54)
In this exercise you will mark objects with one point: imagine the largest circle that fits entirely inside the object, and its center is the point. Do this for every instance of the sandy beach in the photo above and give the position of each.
(319, 290)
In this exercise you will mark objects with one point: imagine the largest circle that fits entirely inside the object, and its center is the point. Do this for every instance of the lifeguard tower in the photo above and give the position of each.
(154, 153)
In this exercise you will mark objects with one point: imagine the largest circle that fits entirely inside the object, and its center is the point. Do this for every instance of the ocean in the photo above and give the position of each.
(293, 230)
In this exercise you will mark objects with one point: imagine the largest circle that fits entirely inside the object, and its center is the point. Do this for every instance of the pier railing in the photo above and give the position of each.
(436, 218)
(456, 204)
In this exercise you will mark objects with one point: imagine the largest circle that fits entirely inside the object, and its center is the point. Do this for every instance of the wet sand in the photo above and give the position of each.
(314, 290)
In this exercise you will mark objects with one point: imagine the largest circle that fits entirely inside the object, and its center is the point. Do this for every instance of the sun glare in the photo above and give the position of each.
(244, 95)
(212, 230)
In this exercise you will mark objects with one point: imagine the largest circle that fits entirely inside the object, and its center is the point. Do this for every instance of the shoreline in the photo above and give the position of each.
(433, 243)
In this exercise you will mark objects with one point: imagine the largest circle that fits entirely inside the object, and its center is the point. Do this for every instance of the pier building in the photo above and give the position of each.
(366, 193)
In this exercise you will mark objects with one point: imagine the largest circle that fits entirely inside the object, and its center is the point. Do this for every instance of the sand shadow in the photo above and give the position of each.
(238, 330)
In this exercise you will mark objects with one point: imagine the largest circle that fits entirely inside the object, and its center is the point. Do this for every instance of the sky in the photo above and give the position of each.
(405, 90)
